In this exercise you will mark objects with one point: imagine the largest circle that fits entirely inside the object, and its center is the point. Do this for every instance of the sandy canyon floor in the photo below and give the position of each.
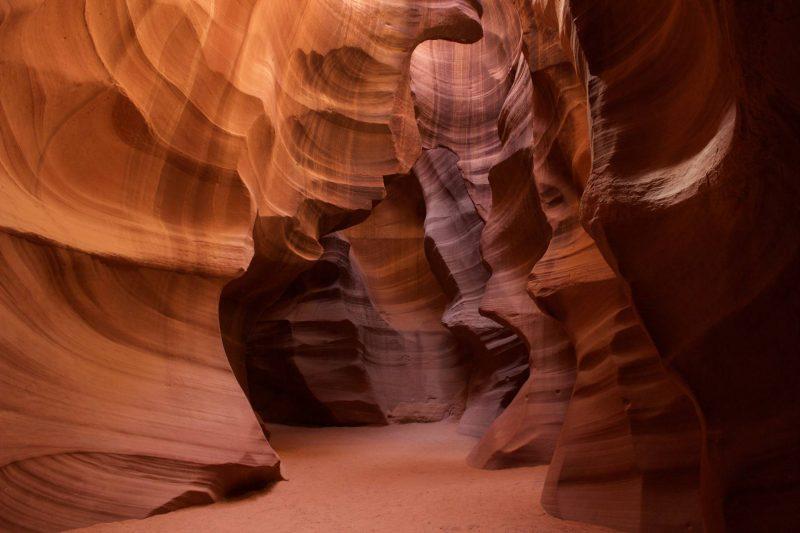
(399, 478)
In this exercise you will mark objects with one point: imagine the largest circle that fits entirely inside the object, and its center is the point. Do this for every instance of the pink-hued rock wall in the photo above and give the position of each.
(570, 225)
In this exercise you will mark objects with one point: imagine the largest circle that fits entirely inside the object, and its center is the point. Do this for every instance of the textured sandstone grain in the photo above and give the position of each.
(694, 198)
(570, 224)
(499, 358)
(142, 143)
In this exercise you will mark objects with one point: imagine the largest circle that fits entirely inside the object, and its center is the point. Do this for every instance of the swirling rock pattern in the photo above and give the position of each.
(474, 99)
(364, 212)
(341, 117)
(388, 247)
(358, 338)
(459, 90)
(516, 235)
(425, 378)
(452, 232)
(701, 179)
(117, 236)
(142, 143)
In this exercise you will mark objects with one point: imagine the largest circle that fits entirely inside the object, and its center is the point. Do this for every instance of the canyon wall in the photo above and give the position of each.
(152, 152)
(572, 225)
(667, 129)
(122, 220)
(693, 198)
(423, 349)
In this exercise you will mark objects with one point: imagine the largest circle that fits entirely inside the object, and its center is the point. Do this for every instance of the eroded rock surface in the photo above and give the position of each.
(671, 189)
(142, 143)
(516, 236)
(122, 219)
(571, 224)
(453, 228)
(693, 197)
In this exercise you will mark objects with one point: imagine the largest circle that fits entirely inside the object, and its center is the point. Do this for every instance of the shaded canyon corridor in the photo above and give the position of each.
(547, 249)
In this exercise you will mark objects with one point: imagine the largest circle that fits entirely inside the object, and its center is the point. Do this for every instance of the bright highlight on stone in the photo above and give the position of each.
(570, 227)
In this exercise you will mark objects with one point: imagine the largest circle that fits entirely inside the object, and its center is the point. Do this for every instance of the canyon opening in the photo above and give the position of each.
(399, 265)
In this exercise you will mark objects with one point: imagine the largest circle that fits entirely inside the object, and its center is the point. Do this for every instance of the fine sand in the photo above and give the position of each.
(399, 478)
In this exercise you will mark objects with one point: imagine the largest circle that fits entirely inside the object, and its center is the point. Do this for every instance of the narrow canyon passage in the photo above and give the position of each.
(457, 265)
(399, 478)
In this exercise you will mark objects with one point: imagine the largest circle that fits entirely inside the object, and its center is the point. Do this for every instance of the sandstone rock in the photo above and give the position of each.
(341, 118)
(452, 232)
(358, 337)
(307, 355)
(141, 143)
(694, 200)
(117, 237)
(425, 375)
(459, 90)
(408, 304)
(364, 212)
(516, 235)
(670, 200)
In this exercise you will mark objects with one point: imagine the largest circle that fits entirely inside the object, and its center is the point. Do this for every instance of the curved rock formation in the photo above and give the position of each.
(357, 338)
(139, 141)
(424, 378)
(363, 212)
(630, 440)
(694, 200)
(368, 319)
(452, 232)
(123, 218)
(516, 235)
(387, 249)
(341, 118)
(459, 90)
(474, 100)
(307, 355)
(673, 133)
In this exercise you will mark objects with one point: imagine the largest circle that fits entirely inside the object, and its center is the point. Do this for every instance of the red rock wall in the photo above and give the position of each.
(694, 200)
(630, 440)
(428, 351)
(145, 147)
(122, 219)
(670, 196)
(499, 357)
(515, 237)
(572, 224)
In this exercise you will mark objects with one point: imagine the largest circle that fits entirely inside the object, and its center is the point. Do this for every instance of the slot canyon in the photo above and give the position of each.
(400, 265)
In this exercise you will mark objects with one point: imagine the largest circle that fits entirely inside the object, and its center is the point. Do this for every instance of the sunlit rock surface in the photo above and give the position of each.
(571, 225)
(142, 142)
(122, 219)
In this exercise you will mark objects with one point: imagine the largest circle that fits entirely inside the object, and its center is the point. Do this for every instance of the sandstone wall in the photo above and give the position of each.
(571, 224)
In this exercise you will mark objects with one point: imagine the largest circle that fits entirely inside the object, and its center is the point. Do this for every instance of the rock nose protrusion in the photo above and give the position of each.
(453, 20)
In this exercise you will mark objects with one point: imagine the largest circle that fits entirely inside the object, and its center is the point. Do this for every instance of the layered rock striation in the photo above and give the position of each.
(431, 352)
(142, 143)
(570, 224)
(693, 199)
(499, 358)
(122, 219)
